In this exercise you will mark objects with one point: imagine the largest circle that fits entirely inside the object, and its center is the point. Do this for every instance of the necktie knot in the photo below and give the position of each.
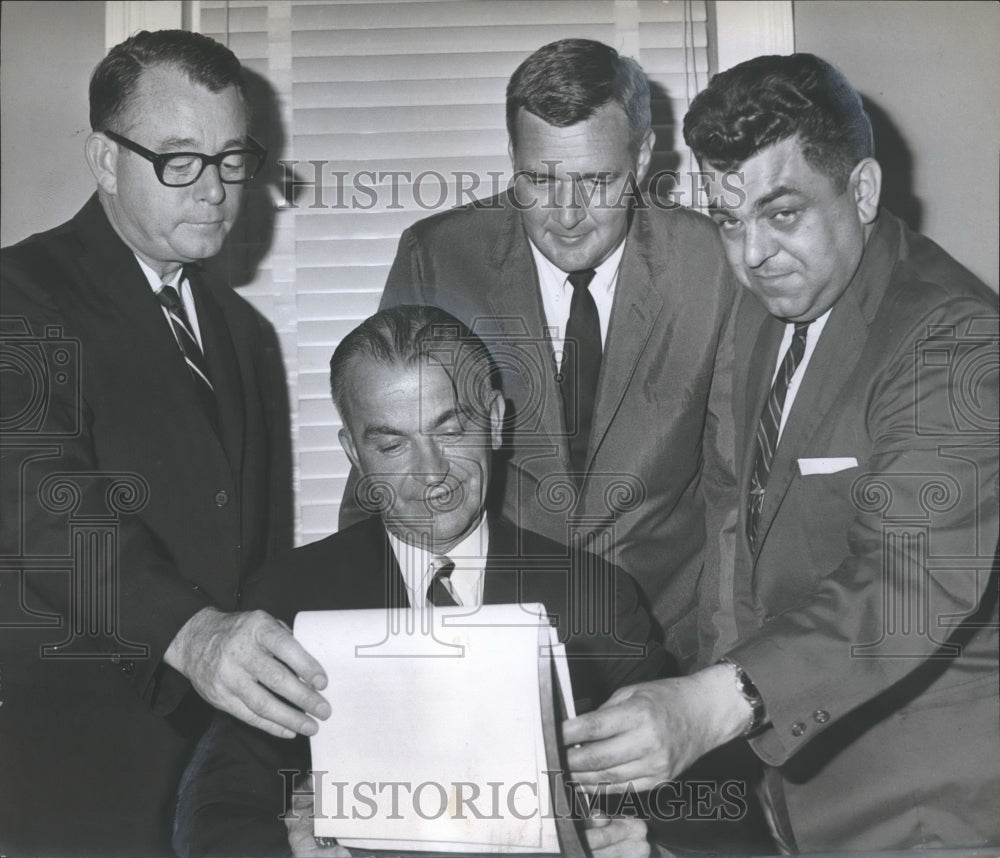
(581, 279)
(440, 592)
(170, 298)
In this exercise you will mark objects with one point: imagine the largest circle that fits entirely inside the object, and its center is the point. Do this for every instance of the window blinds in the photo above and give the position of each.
(398, 105)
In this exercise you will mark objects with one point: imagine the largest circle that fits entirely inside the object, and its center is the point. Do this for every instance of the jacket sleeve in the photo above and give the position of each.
(233, 794)
(929, 491)
(59, 504)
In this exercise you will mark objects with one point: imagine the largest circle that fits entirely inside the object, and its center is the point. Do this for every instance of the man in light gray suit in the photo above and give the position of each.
(603, 310)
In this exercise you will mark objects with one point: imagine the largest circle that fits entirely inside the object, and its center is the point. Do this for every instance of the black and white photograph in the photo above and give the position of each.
(452, 428)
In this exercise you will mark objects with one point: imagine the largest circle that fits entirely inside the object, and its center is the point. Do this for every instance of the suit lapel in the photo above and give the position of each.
(832, 363)
(143, 335)
(223, 366)
(501, 585)
(516, 308)
(637, 306)
(759, 336)
(837, 353)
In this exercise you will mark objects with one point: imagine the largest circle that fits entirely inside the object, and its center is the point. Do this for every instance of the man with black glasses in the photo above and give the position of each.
(140, 467)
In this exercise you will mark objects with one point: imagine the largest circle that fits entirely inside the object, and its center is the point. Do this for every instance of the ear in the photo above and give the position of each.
(866, 185)
(497, 409)
(347, 442)
(510, 153)
(102, 158)
(644, 156)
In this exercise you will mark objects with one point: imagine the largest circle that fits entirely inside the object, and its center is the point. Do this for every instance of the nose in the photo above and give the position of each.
(758, 245)
(209, 186)
(569, 211)
(432, 463)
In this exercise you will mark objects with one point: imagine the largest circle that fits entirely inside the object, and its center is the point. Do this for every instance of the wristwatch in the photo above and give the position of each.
(748, 691)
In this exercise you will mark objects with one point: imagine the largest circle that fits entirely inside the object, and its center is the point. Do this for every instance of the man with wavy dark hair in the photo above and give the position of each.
(849, 603)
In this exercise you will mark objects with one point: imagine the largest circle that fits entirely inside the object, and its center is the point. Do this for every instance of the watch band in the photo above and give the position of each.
(748, 691)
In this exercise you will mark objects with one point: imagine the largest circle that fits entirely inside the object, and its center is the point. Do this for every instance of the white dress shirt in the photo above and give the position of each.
(180, 283)
(469, 557)
(557, 294)
(812, 337)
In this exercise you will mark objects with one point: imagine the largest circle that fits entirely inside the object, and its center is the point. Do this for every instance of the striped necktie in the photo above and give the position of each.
(188, 343)
(768, 426)
(581, 366)
(440, 592)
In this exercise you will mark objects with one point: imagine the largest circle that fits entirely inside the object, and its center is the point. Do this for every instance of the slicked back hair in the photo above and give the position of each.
(564, 82)
(769, 99)
(406, 335)
(115, 80)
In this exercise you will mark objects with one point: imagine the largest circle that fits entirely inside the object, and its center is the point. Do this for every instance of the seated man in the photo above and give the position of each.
(422, 415)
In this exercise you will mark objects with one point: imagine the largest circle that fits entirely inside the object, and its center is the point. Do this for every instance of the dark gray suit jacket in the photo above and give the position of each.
(233, 794)
(109, 460)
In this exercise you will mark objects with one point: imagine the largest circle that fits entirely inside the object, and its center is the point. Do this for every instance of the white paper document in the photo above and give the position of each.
(437, 737)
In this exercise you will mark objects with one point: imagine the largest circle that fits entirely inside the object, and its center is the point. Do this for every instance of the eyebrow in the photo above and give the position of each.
(187, 144)
(764, 201)
(444, 417)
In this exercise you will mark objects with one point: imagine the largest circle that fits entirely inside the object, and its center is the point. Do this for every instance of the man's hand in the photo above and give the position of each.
(650, 733)
(300, 827)
(616, 838)
(235, 661)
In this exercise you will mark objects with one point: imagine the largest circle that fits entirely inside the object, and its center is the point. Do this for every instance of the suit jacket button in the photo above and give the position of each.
(821, 716)
(221, 498)
(128, 667)
(798, 728)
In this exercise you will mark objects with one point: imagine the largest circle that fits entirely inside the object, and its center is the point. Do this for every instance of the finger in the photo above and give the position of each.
(269, 713)
(279, 640)
(622, 838)
(276, 677)
(599, 724)
(238, 709)
(608, 754)
(597, 819)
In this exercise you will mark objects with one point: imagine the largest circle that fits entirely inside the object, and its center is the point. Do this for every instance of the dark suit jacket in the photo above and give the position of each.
(232, 795)
(673, 297)
(97, 391)
(867, 618)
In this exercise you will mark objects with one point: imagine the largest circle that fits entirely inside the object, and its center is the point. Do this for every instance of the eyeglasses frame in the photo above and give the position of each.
(159, 159)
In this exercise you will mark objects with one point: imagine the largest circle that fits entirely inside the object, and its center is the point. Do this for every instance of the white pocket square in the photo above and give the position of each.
(826, 466)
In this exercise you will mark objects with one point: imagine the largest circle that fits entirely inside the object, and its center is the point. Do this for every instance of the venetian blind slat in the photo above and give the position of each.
(401, 105)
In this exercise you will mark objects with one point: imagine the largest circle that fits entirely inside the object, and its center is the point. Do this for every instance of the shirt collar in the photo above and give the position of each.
(469, 557)
(156, 283)
(605, 274)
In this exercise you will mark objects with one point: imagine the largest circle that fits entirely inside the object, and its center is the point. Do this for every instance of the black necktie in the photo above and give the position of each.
(439, 592)
(188, 343)
(767, 428)
(581, 366)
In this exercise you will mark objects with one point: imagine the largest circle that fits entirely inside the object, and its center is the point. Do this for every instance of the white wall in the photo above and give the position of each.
(48, 50)
(933, 69)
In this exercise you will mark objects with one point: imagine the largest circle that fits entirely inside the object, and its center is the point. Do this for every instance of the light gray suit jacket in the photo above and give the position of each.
(867, 616)
(640, 495)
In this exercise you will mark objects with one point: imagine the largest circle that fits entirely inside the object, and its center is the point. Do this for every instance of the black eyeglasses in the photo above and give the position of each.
(180, 169)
